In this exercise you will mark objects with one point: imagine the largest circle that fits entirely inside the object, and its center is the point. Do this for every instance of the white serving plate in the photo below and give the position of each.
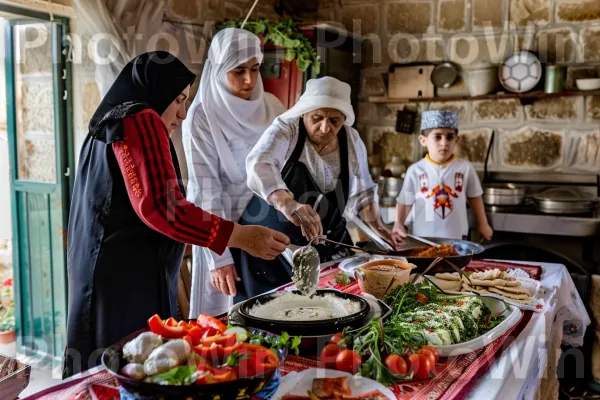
(513, 316)
(299, 383)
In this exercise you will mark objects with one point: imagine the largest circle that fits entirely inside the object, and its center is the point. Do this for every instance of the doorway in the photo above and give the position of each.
(40, 160)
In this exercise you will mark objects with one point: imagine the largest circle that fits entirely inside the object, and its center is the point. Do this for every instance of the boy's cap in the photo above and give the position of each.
(439, 119)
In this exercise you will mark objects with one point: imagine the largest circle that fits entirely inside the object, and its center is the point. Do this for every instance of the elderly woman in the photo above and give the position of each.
(229, 114)
(129, 217)
(306, 170)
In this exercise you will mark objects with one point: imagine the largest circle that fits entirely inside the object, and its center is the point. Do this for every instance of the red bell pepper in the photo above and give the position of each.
(196, 334)
(208, 332)
(215, 353)
(223, 340)
(206, 321)
(156, 325)
(172, 322)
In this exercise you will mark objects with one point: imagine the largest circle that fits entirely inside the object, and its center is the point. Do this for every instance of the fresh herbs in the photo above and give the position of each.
(283, 341)
(371, 342)
(410, 295)
(283, 34)
(342, 279)
(184, 375)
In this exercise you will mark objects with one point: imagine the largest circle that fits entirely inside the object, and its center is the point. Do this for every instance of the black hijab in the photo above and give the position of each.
(151, 80)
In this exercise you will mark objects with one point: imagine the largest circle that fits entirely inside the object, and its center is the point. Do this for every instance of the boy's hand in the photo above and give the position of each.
(485, 230)
(398, 234)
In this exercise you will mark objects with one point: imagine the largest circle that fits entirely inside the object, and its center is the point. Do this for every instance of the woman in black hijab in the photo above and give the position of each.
(129, 217)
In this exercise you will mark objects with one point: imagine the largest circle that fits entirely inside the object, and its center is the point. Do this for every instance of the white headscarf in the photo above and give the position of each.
(230, 117)
(325, 92)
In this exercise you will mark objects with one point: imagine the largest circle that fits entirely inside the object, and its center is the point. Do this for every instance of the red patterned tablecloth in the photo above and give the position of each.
(454, 376)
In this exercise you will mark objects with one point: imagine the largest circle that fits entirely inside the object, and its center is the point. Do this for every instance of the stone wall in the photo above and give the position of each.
(559, 134)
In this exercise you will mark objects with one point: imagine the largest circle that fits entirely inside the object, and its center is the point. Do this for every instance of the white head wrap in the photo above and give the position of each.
(230, 117)
(325, 92)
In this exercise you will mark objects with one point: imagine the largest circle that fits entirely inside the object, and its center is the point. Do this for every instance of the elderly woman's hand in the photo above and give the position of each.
(305, 217)
(302, 215)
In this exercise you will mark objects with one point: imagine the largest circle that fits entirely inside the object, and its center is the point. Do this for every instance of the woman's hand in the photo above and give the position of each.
(224, 279)
(398, 234)
(301, 215)
(258, 241)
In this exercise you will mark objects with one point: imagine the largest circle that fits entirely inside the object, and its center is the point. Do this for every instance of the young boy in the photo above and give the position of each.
(436, 189)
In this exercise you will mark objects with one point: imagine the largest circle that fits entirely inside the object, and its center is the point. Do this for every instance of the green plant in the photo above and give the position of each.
(284, 34)
(7, 322)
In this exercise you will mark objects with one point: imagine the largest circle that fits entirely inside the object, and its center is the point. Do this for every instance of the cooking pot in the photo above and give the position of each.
(390, 187)
(564, 201)
(503, 195)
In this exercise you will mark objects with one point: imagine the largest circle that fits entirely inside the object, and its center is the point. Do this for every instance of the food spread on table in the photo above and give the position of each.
(202, 352)
(295, 307)
(403, 346)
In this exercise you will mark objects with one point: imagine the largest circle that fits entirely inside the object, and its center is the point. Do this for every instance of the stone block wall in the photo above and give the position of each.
(549, 134)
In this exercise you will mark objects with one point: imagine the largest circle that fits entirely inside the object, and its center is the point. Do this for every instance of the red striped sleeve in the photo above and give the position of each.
(144, 157)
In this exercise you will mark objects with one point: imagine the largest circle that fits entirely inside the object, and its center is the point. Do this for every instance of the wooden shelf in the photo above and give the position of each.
(498, 96)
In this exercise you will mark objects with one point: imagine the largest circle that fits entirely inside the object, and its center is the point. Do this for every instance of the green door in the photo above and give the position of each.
(39, 132)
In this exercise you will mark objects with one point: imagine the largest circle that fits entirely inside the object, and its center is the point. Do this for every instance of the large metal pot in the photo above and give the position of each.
(564, 201)
(503, 195)
(389, 187)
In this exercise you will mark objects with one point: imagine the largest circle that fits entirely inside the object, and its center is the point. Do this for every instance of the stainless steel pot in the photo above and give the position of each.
(503, 195)
(390, 187)
(564, 201)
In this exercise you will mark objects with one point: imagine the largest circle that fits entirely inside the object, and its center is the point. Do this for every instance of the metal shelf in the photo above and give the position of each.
(537, 95)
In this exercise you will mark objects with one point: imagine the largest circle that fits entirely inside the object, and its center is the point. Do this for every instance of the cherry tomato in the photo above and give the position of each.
(433, 350)
(396, 364)
(329, 354)
(419, 365)
(337, 338)
(157, 326)
(421, 298)
(429, 355)
(206, 321)
(348, 361)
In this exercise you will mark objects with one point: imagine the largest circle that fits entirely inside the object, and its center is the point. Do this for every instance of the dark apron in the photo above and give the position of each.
(259, 276)
(120, 271)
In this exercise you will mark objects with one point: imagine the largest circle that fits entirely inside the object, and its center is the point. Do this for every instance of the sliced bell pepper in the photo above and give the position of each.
(206, 321)
(156, 325)
(208, 332)
(223, 340)
(172, 322)
(215, 353)
(188, 339)
(196, 334)
(185, 325)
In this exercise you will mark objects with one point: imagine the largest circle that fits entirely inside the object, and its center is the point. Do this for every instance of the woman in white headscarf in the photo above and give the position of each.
(226, 119)
(307, 170)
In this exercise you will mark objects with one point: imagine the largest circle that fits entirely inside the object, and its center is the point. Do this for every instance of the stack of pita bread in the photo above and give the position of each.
(493, 281)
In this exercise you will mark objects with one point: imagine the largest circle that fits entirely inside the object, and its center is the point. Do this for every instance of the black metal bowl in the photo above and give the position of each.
(304, 328)
(465, 249)
(243, 388)
(312, 344)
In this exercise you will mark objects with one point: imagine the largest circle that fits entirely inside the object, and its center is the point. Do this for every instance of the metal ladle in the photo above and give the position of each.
(306, 267)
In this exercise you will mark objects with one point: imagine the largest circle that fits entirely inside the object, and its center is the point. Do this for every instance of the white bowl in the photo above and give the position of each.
(588, 84)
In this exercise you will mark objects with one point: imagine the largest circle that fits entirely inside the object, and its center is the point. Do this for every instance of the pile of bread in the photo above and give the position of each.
(493, 281)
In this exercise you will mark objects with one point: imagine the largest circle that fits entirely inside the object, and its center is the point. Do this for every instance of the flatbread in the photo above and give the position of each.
(448, 276)
(469, 288)
(447, 285)
(517, 290)
(493, 282)
(492, 274)
(509, 295)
